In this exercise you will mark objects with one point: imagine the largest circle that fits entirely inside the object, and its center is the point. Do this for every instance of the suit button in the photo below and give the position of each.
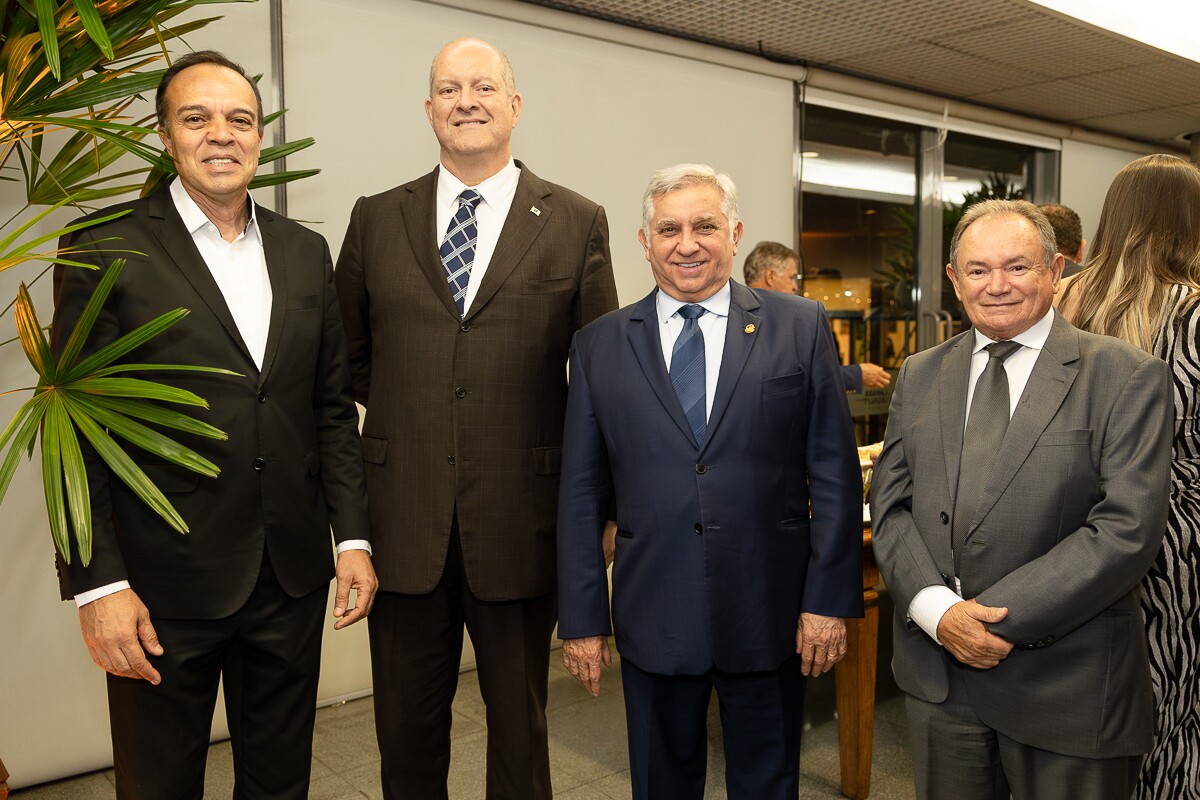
(701, 469)
(699, 529)
(259, 465)
(945, 518)
(262, 397)
(460, 392)
(450, 460)
(466, 326)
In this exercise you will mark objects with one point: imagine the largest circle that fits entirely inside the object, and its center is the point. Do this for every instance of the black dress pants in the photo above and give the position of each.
(416, 648)
(270, 655)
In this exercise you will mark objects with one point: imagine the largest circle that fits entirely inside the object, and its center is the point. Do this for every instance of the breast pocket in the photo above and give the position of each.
(784, 385)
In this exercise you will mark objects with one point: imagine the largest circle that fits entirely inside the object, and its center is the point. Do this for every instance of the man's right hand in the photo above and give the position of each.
(582, 658)
(963, 631)
(118, 634)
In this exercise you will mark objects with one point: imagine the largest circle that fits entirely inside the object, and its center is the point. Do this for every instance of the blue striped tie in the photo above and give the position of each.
(687, 370)
(458, 248)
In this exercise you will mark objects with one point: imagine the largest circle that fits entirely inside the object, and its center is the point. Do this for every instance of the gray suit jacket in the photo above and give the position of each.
(1070, 520)
(465, 416)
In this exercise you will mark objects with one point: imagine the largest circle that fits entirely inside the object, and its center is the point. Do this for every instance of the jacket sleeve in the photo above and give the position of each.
(598, 289)
(355, 305)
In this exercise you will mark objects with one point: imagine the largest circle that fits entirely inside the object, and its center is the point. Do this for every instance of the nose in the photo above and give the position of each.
(219, 132)
(997, 281)
(687, 243)
(467, 100)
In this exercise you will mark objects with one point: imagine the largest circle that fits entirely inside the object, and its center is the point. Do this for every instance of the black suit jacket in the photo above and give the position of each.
(466, 415)
(292, 463)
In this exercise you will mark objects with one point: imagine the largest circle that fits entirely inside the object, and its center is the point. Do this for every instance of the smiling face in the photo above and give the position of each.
(472, 108)
(1003, 279)
(212, 133)
(691, 244)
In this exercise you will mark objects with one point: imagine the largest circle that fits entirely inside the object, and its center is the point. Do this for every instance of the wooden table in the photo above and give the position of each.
(855, 678)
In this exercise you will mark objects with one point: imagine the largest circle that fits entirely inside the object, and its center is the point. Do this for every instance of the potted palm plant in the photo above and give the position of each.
(71, 74)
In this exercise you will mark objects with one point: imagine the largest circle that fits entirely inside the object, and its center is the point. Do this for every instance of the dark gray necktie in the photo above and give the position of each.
(986, 425)
(687, 370)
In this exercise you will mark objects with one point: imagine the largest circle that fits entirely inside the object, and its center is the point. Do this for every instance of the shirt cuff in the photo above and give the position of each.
(354, 544)
(930, 605)
(92, 595)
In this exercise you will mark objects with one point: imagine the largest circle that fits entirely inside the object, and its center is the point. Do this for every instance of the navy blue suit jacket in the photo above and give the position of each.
(717, 552)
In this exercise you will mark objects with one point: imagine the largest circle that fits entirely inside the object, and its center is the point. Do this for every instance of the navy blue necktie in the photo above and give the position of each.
(458, 248)
(687, 370)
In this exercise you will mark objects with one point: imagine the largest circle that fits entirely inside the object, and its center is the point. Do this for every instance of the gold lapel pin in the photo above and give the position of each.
(537, 212)
(749, 328)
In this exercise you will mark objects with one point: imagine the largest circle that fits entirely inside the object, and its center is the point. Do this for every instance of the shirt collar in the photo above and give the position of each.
(503, 183)
(194, 219)
(1034, 338)
(716, 304)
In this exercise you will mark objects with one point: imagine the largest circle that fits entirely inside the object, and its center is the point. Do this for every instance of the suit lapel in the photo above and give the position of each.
(417, 207)
(1048, 384)
(952, 405)
(647, 348)
(277, 273)
(739, 340)
(178, 246)
(521, 228)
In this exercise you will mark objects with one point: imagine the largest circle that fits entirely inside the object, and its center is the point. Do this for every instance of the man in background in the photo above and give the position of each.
(461, 291)
(242, 595)
(1068, 235)
(775, 266)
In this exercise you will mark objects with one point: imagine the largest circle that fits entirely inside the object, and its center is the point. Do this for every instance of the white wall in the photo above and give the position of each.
(1086, 172)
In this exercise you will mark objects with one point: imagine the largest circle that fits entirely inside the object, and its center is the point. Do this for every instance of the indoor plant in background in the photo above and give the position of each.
(70, 72)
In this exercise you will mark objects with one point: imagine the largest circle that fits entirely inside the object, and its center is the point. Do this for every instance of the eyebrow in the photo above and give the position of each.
(1007, 262)
(206, 110)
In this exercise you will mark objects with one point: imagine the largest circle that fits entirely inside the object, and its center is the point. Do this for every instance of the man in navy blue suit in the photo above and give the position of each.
(711, 419)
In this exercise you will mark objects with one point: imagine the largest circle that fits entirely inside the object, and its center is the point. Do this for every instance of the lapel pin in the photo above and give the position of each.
(537, 212)
(749, 328)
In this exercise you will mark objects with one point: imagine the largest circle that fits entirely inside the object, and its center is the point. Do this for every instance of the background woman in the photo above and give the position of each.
(1141, 283)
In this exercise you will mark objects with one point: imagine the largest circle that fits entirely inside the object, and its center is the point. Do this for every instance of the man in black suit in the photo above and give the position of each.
(243, 593)
(463, 373)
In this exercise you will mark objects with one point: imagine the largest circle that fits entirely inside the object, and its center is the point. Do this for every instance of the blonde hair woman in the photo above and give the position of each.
(1141, 283)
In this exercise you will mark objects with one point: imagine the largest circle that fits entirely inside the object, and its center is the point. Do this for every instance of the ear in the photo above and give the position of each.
(429, 110)
(165, 138)
(1056, 269)
(645, 244)
(516, 108)
(1079, 256)
(952, 274)
(737, 235)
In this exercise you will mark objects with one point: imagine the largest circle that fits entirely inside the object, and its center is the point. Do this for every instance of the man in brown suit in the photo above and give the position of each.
(460, 294)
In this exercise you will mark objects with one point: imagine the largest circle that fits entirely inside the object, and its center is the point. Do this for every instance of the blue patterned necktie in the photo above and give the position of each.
(687, 370)
(458, 248)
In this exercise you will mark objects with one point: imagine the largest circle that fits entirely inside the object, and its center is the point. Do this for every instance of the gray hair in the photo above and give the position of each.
(767, 257)
(681, 176)
(1005, 208)
(506, 70)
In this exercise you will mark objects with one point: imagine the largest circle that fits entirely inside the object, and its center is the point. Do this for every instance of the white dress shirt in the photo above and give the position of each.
(497, 193)
(712, 325)
(932, 602)
(240, 270)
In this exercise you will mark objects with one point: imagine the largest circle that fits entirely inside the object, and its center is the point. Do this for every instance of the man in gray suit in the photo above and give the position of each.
(460, 293)
(1013, 538)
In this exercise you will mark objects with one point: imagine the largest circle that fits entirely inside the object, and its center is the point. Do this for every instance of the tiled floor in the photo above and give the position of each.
(588, 760)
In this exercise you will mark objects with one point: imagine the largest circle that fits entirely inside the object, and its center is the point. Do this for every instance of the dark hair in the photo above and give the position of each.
(1068, 230)
(192, 60)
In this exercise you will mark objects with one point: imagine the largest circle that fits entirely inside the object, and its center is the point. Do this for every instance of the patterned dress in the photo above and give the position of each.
(1171, 590)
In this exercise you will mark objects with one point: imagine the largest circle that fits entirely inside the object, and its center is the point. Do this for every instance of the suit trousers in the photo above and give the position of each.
(761, 720)
(957, 757)
(416, 650)
(269, 653)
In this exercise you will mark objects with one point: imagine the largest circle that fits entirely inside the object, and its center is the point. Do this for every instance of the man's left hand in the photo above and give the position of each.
(354, 571)
(821, 643)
